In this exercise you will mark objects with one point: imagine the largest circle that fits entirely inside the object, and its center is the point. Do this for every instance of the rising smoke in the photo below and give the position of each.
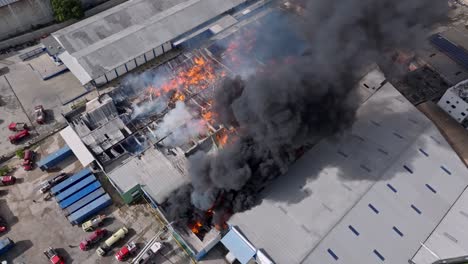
(291, 105)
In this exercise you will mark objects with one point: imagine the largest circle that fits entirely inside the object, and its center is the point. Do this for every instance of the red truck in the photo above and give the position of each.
(92, 240)
(14, 126)
(28, 160)
(7, 180)
(53, 256)
(126, 251)
(18, 136)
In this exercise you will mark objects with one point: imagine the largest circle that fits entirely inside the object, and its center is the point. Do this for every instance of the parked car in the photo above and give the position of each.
(53, 256)
(18, 136)
(126, 251)
(3, 225)
(107, 245)
(47, 185)
(7, 180)
(90, 225)
(13, 126)
(94, 238)
(28, 160)
(40, 114)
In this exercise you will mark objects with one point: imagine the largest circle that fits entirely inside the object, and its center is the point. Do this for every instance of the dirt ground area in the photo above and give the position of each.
(36, 224)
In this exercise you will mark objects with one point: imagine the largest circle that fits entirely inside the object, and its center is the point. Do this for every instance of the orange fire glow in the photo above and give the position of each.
(196, 227)
(201, 74)
(222, 138)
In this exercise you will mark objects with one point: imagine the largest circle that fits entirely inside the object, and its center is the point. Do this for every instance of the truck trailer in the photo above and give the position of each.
(89, 210)
(70, 181)
(84, 201)
(54, 158)
(80, 194)
(75, 188)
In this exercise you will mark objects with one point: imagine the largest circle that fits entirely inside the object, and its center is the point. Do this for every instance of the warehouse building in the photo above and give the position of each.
(371, 196)
(114, 42)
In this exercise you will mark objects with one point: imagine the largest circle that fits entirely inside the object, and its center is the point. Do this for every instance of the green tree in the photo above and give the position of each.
(67, 9)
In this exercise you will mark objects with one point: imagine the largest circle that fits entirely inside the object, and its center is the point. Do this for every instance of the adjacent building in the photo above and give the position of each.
(455, 103)
(371, 196)
(108, 45)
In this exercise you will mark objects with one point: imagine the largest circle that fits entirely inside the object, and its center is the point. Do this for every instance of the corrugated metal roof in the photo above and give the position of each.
(106, 41)
(392, 158)
(7, 2)
(237, 245)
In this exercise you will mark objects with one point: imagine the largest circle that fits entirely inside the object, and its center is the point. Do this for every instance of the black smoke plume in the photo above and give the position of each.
(289, 105)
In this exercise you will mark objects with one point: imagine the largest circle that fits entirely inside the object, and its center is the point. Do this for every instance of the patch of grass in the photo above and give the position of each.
(4, 170)
(20, 153)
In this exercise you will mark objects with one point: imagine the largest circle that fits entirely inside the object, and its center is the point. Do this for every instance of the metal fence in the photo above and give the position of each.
(30, 54)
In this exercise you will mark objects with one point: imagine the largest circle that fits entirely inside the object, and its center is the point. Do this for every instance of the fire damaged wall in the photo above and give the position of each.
(278, 111)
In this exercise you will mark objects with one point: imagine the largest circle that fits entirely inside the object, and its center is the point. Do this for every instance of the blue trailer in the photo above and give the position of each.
(80, 194)
(90, 210)
(70, 181)
(5, 245)
(54, 158)
(75, 188)
(84, 201)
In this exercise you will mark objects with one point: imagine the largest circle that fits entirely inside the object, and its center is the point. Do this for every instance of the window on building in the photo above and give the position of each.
(373, 208)
(353, 230)
(430, 188)
(423, 152)
(416, 209)
(446, 170)
(408, 169)
(377, 253)
(397, 231)
(332, 254)
(391, 188)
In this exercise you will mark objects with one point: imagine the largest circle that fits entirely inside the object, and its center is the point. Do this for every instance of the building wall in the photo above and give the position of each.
(26, 15)
(455, 106)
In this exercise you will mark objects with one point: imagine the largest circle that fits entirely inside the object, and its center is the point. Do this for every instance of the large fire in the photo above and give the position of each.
(200, 74)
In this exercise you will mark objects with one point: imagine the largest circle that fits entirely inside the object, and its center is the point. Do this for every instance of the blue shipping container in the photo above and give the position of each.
(90, 210)
(80, 194)
(84, 201)
(54, 158)
(75, 188)
(5, 245)
(70, 181)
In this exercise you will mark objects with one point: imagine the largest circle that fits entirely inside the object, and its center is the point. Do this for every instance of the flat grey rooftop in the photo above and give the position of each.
(153, 171)
(392, 158)
(111, 38)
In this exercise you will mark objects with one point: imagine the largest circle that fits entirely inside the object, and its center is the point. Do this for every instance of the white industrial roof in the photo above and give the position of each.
(153, 171)
(109, 39)
(370, 195)
(77, 146)
(450, 238)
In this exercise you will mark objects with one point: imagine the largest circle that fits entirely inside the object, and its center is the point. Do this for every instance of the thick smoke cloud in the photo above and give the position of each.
(293, 104)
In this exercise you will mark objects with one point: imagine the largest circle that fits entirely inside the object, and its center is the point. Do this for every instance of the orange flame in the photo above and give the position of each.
(196, 227)
(222, 138)
(201, 74)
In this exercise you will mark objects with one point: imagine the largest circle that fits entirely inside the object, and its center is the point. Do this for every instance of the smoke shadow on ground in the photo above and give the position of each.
(18, 249)
(7, 214)
(329, 157)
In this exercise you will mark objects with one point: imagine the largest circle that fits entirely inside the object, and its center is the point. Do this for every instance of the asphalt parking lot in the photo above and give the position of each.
(36, 224)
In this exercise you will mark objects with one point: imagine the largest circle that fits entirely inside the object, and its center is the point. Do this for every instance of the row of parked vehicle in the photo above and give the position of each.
(21, 129)
(99, 234)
